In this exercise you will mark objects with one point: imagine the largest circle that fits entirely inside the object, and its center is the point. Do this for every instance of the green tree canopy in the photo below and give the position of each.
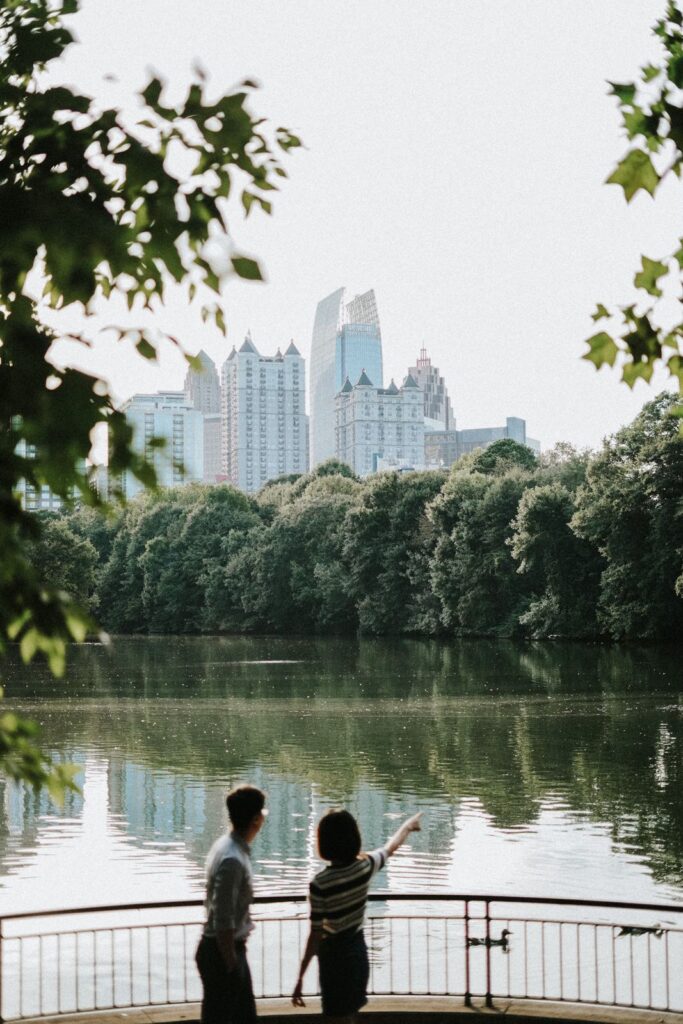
(630, 510)
(575, 546)
(564, 568)
(503, 455)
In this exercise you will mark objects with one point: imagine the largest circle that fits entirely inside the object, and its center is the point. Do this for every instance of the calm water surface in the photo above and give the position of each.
(541, 769)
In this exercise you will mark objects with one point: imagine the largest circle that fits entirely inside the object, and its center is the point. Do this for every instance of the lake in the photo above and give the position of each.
(541, 769)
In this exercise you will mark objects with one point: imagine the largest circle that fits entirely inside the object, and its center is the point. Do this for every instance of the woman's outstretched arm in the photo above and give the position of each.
(399, 838)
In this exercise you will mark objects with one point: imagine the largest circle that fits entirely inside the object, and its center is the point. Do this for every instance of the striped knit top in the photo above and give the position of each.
(339, 895)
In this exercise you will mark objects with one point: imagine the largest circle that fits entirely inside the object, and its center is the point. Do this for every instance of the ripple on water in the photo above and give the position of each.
(524, 787)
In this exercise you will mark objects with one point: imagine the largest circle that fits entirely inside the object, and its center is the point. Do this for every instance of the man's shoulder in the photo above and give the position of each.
(223, 850)
(227, 849)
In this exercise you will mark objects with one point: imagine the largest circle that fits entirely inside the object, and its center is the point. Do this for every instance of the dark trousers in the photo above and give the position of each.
(228, 996)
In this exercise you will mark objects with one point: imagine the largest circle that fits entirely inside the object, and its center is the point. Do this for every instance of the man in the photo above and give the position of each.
(221, 954)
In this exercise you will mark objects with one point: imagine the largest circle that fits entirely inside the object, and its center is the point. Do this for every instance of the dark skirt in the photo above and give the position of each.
(344, 972)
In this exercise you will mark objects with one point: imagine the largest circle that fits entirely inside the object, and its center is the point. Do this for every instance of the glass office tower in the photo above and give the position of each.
(331, 345)
(359, 347)
(328, 317)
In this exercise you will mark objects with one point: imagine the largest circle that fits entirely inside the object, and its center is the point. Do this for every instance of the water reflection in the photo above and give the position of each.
(546, 769)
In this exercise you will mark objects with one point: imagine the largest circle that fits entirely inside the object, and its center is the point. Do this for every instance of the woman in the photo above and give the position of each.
(338, 896)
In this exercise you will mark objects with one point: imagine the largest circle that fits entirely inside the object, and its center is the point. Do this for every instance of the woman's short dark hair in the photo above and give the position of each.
(338, 837)
(243, 804)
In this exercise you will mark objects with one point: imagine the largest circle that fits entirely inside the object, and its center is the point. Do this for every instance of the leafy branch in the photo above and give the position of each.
(652, 116)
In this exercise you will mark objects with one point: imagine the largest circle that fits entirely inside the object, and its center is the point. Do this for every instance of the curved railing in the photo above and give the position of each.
(469, 947)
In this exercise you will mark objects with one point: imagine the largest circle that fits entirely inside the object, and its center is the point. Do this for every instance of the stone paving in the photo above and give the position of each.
(392, 1010)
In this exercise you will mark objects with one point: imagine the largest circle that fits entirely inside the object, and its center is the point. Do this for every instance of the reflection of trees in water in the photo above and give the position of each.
(400, 717)
(214, 666)
(615, 761)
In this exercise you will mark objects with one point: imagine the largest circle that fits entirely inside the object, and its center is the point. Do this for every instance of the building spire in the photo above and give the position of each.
(424, 359)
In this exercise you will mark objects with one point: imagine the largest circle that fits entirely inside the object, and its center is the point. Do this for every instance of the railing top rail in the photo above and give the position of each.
(374, 897)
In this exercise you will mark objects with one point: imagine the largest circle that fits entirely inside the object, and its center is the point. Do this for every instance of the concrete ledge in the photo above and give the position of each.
(391, 1010)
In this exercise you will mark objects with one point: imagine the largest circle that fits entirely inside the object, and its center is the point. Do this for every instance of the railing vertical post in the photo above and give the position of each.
(468, 994)
(489, 997)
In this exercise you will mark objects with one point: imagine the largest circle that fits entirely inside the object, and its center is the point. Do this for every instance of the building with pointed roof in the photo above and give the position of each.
(379, 428)
(248, 345)
(264, 421)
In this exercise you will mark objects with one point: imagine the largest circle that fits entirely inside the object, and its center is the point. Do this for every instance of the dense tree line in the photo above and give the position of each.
(504, 544)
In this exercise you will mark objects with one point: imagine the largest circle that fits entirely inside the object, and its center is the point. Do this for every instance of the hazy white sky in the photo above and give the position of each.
(455, 157)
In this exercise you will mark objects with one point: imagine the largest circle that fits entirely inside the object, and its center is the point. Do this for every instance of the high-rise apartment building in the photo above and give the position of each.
(203, 393)
(346, 339)
(168, 417)
(438, 411)
(379, 428)
(264, 421)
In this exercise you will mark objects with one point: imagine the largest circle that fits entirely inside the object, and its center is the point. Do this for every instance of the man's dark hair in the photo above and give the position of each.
(338, 837)
(243, 804)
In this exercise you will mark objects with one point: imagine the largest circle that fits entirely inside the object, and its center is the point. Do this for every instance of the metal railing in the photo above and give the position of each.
(470, 947)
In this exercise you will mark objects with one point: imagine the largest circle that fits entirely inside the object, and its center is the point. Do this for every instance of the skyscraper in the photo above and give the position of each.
(166, 416)
(358, 348)
(203, 393)
(437, 405)
(264, 422)
(346, 340)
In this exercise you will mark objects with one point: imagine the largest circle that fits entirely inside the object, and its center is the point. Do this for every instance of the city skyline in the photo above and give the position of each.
(493, 252)
(261, 431)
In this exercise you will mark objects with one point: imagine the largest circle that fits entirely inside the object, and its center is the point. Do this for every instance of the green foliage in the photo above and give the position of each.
(652, 115)
(175, 564)
(122, 583)
(68, 560)
(288, 576)
(333, 467)
(507, 544)
(635, 172)
(473, 573)
(502, 455)
(564, 568)
(630, 511)
(93, 206)
(389, 541)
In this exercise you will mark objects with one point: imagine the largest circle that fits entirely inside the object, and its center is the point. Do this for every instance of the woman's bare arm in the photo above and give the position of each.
(399, 838)
(312, 946)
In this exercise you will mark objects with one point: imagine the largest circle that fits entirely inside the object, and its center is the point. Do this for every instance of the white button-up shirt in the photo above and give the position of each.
(229, 890)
